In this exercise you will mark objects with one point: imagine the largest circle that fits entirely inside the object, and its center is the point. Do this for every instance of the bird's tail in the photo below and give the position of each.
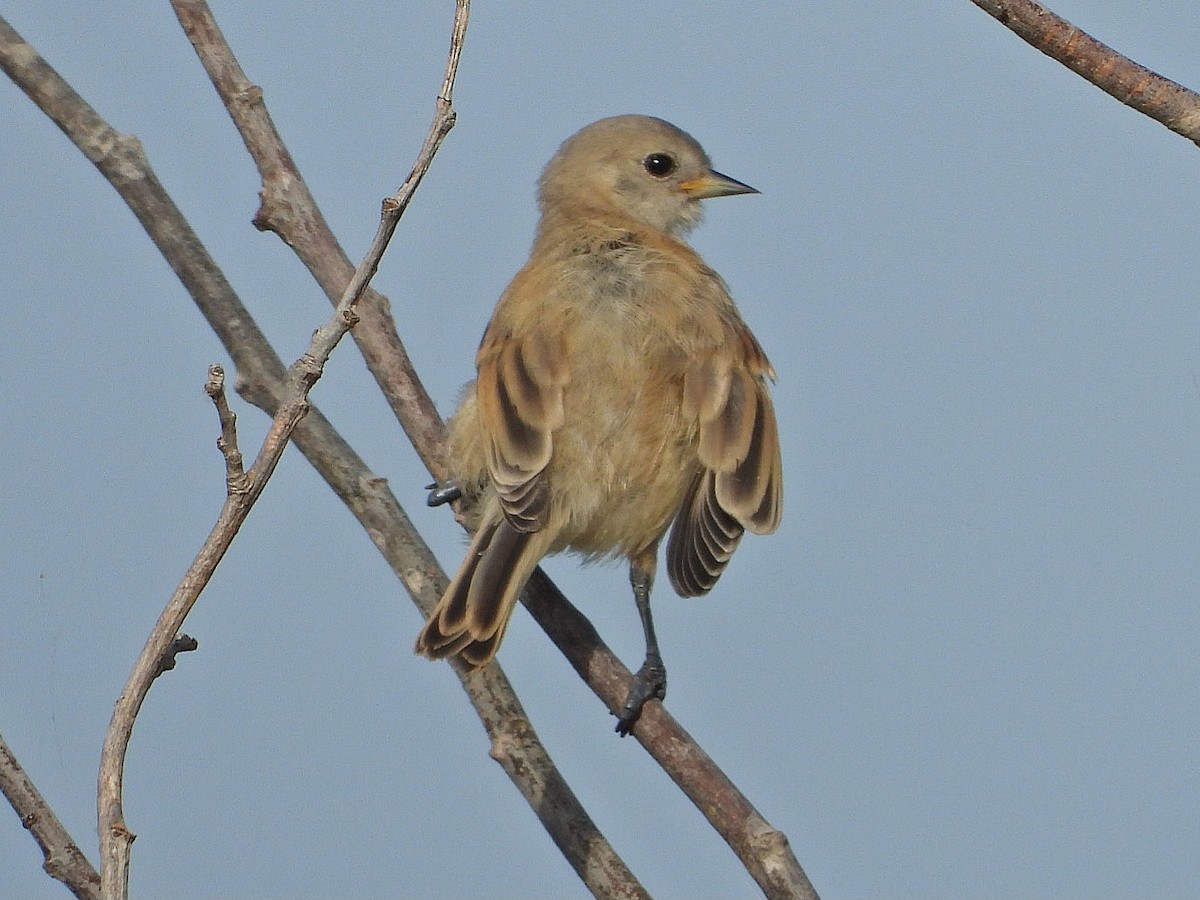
(470, 619)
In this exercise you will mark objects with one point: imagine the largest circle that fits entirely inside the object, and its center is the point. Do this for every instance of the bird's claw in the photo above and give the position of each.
(442, 492)
(650, 683)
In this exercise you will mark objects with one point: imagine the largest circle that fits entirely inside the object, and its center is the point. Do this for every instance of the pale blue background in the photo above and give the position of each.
(966, 665)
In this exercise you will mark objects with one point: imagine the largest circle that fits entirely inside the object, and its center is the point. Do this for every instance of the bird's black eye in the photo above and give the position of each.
(660, 165)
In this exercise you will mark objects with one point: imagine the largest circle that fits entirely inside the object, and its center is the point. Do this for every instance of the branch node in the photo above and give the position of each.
(227, 441)
(306, 371)
(183, 643)
(216, 380)
(249, 95)
(239, 484)
(511, 734)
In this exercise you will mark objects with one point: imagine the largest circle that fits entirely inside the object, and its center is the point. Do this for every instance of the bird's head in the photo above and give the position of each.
(639, 167)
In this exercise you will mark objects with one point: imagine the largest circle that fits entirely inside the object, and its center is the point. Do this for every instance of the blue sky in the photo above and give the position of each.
(964, 667)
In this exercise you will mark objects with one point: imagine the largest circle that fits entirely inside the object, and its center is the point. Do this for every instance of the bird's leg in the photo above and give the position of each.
(650, 682)
(441, 492)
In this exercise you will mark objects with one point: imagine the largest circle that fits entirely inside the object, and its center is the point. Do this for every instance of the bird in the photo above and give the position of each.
(618, 394)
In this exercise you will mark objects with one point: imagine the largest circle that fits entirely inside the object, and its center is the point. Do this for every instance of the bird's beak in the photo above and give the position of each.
(714, 184)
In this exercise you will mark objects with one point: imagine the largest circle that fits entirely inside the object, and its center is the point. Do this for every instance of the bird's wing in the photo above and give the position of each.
(740, 484)
(520, 390)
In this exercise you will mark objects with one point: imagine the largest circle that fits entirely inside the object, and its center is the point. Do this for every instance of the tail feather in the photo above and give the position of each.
(494, 587)
(470, 619)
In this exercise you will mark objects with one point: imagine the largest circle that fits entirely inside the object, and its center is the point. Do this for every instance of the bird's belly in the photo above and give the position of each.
(624, 457)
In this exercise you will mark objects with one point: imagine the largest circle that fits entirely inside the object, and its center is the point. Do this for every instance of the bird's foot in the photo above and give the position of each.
(650, 683)
(442, 492)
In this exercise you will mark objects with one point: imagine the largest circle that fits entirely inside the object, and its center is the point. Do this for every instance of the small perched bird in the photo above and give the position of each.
(618, 392)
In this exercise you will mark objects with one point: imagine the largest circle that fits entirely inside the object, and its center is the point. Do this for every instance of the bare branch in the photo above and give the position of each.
(763, 849)
(1149, 93)
(122, 161)
(64, 860)
(289, 210)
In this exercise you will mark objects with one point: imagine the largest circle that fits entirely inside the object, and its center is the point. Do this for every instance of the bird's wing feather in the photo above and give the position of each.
(520, 389)
(740, 484)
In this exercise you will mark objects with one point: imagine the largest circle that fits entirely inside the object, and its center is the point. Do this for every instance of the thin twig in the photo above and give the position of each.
(116, 840)
(63, 860)
(122, 161)
(1149, 93)
(227, 443)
